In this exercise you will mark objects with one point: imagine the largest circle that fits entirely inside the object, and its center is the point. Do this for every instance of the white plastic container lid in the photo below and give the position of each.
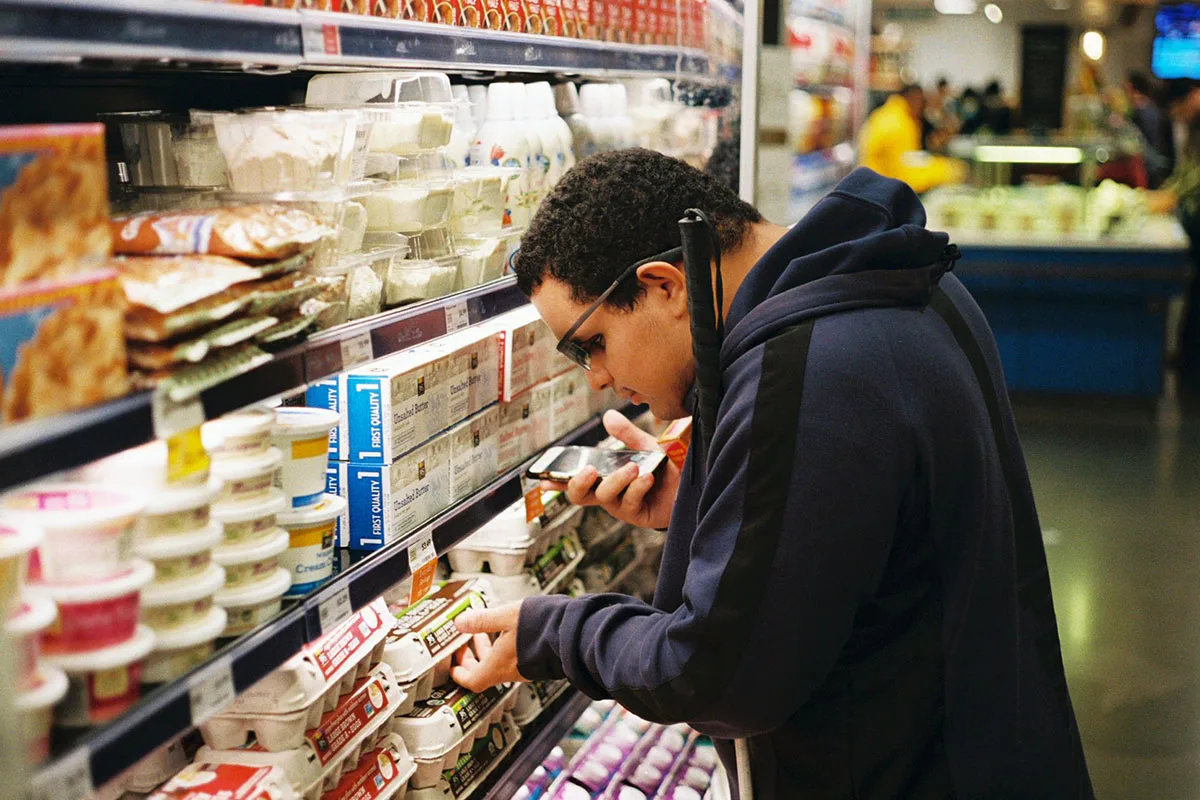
(184, 544)
(206, 630)
(144, 466)
(175, 498)
(52, 689)
(304, 423)
(273, 503)
(74, 505)
(257, 593)
(238, 469)
(110, 657)
(244, 424)
(18, 539)
(34, 613)
(136, 577)
(254, 551)
(329, 508)
(205, 585)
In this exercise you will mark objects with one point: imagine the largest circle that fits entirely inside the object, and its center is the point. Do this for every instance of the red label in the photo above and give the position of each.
(493, 20)
(333, 40)
(111, 691)
(422, 582)
(374, 775)
(612, 20)
(514, 15)
(570, 19)
(208, 781)
(339, 645)
(91, 626)
(341, 725)
(534, 16)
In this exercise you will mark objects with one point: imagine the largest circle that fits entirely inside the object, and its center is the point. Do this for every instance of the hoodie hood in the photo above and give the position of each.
(862, 246)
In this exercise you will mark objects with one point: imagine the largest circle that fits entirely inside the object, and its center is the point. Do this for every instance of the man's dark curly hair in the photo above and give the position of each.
(614, 209)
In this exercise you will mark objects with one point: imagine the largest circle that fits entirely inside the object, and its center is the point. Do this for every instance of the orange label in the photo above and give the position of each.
(310, 448)
(533, 504)
(422, 582)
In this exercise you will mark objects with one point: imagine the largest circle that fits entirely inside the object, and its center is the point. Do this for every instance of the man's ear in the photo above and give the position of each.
(665, 282)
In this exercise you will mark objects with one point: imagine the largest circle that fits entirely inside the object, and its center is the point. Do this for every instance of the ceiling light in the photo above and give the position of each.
(954, 6)
(993, 13)
(1093, 45)
(1028, 154)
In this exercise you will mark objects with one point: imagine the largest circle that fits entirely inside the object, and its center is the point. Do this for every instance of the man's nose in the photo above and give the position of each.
(598, 377)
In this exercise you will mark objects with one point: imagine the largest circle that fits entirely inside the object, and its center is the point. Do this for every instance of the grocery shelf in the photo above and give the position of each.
(166, 713)
(537, 740)
(40, 447)
(237, 35)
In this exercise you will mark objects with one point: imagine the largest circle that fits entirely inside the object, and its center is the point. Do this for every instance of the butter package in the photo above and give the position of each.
(527, 351)
(570, 405)
(472, 371)
(393, 405)
(525, 425)
(325, 394)
(387, 502)
(335, 476)
(474, 453)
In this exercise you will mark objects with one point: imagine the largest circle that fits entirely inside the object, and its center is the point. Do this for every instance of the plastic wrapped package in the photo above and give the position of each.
(410, 111)
(479, 199)
(167, 284)
(408, 207)
(413, 279)
(482, 260)
(160, 149)
(336, 210)
(286, 149)
(128, 200)
(151, 356)
(252, 230)
(425, 168)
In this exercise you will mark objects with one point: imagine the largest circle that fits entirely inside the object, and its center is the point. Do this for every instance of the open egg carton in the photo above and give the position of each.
(293, 699)
(381, 774)
(422, 644)
(550, 573)
(328, 751)
(507, 545)
(463, 776)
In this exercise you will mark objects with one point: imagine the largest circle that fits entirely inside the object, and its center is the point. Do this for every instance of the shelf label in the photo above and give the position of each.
(534, 507)
(457, 316)
(211, 689)
(68, 778)
(170, 417)
(324, 40)
(335, 609)
(357, 350)
(186, 456)
(422, 563)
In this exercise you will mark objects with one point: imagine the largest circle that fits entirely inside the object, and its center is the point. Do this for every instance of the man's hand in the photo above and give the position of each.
(484, 663)
(644, 502)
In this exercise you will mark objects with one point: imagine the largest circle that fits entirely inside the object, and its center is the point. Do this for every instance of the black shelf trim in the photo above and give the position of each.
(537, 740)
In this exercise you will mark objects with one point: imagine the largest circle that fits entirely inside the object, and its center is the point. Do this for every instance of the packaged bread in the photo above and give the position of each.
(155, 356)
(169, 283)
(248, 231)
(147, 325)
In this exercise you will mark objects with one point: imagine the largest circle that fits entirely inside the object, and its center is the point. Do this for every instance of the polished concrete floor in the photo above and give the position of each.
(1118, 491)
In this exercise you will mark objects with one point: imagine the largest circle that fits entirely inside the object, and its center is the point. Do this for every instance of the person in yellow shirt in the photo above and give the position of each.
(890, 144)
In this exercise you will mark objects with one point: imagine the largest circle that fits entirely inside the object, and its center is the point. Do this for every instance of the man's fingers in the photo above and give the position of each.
(611, 487)
(579, 490)
(619, 427)
(488, 620)
(470, 678)
(553, 486)
(635, 495)
(465, 656)
(481, 643)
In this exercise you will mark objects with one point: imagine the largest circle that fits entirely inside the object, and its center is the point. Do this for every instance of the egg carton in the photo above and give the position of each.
(311, 682)
(202, 781)
(381, 774)
(425, 637)
(506, 549)
(547, 575)
(533, 698)
(463, 776)
(326, 752)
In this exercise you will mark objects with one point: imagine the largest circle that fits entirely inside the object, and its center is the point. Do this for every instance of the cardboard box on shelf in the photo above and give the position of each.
(387, 502)
(527, 351)
(525, 424)
(474, 453)
(392, 406)
(569, 402)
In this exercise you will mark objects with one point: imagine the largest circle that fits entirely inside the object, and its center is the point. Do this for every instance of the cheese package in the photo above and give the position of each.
(387, 502)
(569, 402)
(527, 351)
(525, 425)
(473, 369)
(474, 453)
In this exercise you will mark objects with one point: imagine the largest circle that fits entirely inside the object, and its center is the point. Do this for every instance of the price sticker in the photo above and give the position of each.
(170, 417)
(68, 778)
(186, 456)
(422, 563)
(335, 609)
(357, 350)
(211, 689)
(534, 508)
(457, 316)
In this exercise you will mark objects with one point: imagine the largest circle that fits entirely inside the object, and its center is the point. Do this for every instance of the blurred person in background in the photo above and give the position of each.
(1154, 125)
(891, 144)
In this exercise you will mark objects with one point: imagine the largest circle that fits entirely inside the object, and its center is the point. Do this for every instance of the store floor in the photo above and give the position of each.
(1118, 491)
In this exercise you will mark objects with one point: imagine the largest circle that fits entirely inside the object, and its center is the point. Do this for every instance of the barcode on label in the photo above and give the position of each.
(335, 609)
(357, 350)
(422, 550)
(457, 316)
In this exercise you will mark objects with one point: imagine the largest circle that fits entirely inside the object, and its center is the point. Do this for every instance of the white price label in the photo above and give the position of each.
(457, 316)
(171, 418)
(357, 350)
(335, 609)
(422, 551)
(69, 778)
(211, 689)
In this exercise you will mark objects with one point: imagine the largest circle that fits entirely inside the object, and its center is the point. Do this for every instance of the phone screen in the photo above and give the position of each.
(574, 458)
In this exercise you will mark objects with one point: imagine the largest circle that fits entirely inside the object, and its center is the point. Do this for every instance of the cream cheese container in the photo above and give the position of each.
(177, 651)
(167, 607)
(250, 606)
(96, 616)
(247, 479)
(250, 522)
(35, 713)
(242, 435)
(102, 683)
(311, 532)
(181, 556)
(251, 564)
(302, 436)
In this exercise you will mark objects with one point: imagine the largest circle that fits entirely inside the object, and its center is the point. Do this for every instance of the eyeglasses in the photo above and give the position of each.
(580, 353)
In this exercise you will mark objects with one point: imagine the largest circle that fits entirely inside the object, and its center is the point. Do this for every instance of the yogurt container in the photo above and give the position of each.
(96, 616)
(302, 435)
(311, 534)
(146, 466)
(88, 529)
(251, 564)
(181, 649)
(248, 607)
(183, 604)
(181, 557)
(177, 510)
(201, 781)
(242, 435)
(250, 522)
(17, 542)
(102, 684)
(35, 713)
(381, 774)
(33, 614)
(247, 479)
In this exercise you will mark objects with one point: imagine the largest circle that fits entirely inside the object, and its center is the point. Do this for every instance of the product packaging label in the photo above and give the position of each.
(353, 715)
(325, 394)
(111, 691)
(90, 626)
(514, 15)
(374, 777)
(493, 20)
(474, 763)
(210, 781)
(535, 12)
(467, 707)
(309, 557)
(432, 619)
(571, 26)
(554, 18)
(555, 560)
(349, 642)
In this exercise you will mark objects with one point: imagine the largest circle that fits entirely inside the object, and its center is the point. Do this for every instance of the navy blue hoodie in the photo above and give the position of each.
(854, 579)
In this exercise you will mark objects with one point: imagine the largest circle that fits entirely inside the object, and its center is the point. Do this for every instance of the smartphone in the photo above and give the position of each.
(563, 463)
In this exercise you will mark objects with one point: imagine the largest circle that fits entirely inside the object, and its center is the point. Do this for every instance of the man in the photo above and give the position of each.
(853, 577)
(890, 144)
(1153, 125)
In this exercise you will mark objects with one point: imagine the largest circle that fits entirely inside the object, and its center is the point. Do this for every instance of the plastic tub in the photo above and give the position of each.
(178, 510)
(302, 435)
(16, 543)
(408, 208)
(309, 557)
(180, 650)
(96, 616)
(251, 606)
(246, 433)
(32, 615)
(182, 557)
(182, 604)
(479, 199)
(286, 149)
(483, 260)
(35, 713)
(247, 479)
(252, 564)
(103, 683)
(251, 522)
(88, 529)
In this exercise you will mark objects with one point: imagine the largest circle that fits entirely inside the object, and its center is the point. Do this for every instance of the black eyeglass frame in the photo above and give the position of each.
(575, 351)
